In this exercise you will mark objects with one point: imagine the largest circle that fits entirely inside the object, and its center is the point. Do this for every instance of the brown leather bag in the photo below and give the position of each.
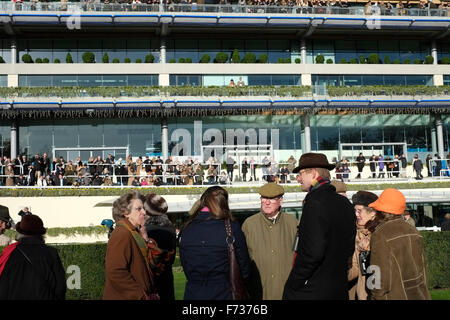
(238, 289)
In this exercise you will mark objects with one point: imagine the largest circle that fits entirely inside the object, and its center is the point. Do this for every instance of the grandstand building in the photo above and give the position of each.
(82, 79)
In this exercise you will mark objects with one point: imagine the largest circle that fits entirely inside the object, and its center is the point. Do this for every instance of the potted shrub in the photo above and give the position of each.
(38, 60)
(138, 60)
(353, 61)
(287, 60)
(149, 58)
(320, 59)
(445, 60)
(69, 58)
(396, 61)
(172, 61)
(417, 61)
(406, 61)
(249, 58)
(57, 61)
(429, 59)
(126, 60)
(280, 60)
(298, 60)
(26, 58)
(343, 61)
(373, 59)
(105, 58)
(45, 60)
(205, 58)
(235, 56)
(1, 60)
(329, 61)
(181, 60)
(88, 57)
(188, 60)
(115, 60)
(387, 60)
(221, 57)
(263, 58)
(362, 59)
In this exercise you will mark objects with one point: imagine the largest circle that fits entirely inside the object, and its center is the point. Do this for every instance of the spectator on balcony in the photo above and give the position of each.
(240, 82)
(404, 164)
(418, 166)
(360, 161)
(373, 166)
(429, 165)
(380, 166)
(41, 182)
(61, 180)
(21, 181)
(232, 84)
(211, 174)
(284, 173)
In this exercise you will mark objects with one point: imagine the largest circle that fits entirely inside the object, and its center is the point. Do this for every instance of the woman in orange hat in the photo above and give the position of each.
(397, 253)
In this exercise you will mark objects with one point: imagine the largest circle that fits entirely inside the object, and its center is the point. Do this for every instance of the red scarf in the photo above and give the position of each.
(4, 257)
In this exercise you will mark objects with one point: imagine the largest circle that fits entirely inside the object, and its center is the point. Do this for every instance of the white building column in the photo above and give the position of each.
(162, 51)
(434, 52)
(434, 149)
(13, 51)
(13, 139)
(306, 133)
(440, 136)
(13, 80)
(303, 50)
(306, 79)
(164, 138)
(438, 80)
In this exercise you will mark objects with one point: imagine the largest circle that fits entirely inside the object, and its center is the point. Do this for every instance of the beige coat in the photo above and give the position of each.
(270, 247)
(397, 249)
(358, 281)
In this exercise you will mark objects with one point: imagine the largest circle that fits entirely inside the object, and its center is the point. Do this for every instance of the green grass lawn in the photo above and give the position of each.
(180, 281)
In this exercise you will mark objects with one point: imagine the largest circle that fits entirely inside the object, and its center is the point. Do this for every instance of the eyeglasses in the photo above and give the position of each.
(272, 200)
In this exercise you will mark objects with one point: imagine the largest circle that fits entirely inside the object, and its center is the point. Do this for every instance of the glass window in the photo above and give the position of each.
(35, 81)
(3, 80)
(115, 48)
(394, 80)
(137, 49)
(65, 80)
(446, 80)
(89, 80)
(352, 80)
(114, 80)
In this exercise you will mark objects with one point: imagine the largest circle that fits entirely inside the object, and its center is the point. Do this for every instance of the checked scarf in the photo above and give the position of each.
(319, 181)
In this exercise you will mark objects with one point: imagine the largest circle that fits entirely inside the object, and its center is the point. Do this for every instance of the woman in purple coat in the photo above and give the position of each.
(204, 251)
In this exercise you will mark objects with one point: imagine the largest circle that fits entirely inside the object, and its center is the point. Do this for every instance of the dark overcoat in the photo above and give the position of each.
(204, 257)
(42, 279)
(326, 244)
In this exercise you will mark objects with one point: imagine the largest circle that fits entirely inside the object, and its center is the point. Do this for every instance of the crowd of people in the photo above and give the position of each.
(41, 171)
(257, 6)
(331, 253)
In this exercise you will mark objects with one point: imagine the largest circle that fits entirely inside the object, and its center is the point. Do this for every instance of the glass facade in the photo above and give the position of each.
(88, 80)
(370, 80)
(115, 48)
(284, 132)
(3, 80)
(196, 48)
(224, 80)
(353, 49)
(141, 136)
(328, 130)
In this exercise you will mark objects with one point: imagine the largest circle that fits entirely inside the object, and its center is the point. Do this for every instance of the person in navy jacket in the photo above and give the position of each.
(204, 251)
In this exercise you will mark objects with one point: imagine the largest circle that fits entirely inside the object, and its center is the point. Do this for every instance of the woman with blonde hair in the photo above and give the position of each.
(204, 250)
(128, 273)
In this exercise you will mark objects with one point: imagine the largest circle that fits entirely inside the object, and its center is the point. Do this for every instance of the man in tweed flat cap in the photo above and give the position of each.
(270, 236)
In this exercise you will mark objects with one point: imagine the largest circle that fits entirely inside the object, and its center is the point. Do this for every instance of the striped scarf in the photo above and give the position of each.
(319, 181)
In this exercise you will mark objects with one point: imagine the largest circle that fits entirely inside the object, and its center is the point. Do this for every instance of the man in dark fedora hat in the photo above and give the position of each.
(29, 269)
(326, 236)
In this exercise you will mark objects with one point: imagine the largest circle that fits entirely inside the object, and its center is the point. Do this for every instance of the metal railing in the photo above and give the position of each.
(220, 8)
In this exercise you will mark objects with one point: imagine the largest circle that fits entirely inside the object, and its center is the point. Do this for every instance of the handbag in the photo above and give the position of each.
(238, 289)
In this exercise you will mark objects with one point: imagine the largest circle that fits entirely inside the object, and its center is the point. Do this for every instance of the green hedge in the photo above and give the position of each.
(91, 260)
(437, 251)
(105, 191)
